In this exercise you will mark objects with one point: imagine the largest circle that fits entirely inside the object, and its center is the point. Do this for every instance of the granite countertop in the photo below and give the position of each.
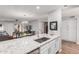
(23, 45)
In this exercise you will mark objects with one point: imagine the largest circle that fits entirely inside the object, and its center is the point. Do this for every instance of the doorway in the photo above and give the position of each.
(46, 27)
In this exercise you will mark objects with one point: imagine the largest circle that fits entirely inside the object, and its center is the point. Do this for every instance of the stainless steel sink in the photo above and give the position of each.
(43, 39)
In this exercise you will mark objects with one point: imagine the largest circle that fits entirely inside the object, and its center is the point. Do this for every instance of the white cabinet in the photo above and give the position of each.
(58, 44)
(44, 48)
(44, 51)
(51, 47)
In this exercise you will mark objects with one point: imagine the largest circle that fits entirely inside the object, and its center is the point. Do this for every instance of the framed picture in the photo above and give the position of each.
(53, 25)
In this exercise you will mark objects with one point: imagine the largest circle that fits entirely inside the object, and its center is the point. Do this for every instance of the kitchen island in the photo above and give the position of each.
(28, 45)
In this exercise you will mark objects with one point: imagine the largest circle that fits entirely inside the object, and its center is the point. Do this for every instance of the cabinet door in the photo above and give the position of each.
(45, 48)
(55, 46)
(44, 51)
(52, 48)
(58, 44)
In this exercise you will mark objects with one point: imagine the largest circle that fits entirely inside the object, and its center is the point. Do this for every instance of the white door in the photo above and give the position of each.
(64, 30)
(72, 30)
(69, 30)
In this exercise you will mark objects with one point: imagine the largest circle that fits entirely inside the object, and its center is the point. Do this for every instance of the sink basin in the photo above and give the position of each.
(43, 39)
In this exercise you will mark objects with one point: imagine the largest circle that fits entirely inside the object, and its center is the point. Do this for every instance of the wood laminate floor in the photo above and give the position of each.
(69, 48)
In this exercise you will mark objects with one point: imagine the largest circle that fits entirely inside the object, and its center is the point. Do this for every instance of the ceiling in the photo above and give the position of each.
(71, 10)
(25, 12)
(29, 12)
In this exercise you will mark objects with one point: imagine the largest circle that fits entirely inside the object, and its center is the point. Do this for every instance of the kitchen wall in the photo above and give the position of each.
(9, 27)
(77, 30)
(55, 16)
(37, 26)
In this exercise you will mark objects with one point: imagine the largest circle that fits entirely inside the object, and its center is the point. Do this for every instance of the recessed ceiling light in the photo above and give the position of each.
(37, 7)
